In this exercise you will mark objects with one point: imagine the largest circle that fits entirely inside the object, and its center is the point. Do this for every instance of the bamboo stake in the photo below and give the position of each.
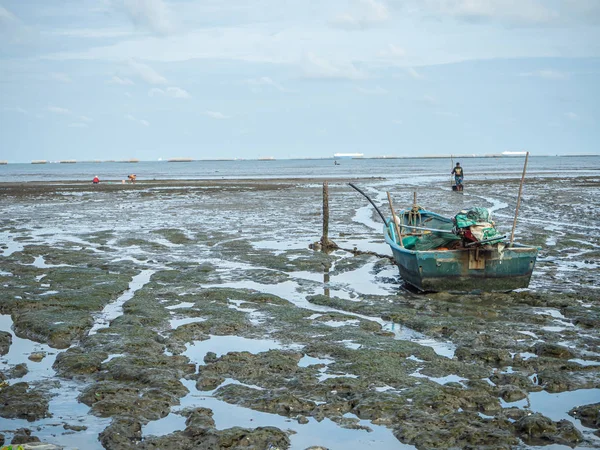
(325, 237)
(512, 234)
(394, 219)
(452, 168)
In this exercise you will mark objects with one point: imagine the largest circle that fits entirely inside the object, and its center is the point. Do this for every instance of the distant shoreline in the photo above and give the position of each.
(191, 160)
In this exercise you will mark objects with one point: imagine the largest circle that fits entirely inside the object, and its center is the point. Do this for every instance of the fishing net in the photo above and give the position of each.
(432, 241)
(476, 224)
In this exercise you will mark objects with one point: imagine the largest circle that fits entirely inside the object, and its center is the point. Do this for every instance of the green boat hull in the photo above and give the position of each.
(484, 269)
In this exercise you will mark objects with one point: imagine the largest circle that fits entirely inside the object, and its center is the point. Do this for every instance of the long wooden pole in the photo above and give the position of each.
(451, 169)
(512, 234)
(394, 219)
(325, 237)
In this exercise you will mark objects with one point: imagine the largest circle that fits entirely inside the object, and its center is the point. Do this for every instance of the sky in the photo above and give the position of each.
(210, 79)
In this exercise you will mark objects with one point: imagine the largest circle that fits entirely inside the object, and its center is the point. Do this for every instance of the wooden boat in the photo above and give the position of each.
(431, 256)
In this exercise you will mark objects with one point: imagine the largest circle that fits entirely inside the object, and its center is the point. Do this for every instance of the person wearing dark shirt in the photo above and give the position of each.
(458, 176)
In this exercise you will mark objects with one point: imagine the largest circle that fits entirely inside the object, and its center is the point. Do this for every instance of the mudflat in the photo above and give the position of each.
(193, 314)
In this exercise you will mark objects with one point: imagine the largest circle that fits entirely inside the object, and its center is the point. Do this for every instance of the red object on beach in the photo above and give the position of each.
(96, 180)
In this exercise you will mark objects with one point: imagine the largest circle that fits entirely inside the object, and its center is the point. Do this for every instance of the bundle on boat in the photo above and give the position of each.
(468, 227)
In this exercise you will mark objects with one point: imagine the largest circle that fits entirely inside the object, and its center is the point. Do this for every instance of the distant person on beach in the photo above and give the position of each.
(132, 178)
(96, 180)
(458, 176)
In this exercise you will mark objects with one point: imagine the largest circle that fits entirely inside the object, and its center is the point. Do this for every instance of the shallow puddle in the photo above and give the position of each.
(221, 345)
(115, 309)
(325, 433)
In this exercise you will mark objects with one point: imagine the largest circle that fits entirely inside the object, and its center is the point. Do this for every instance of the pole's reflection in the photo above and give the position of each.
(326, 269)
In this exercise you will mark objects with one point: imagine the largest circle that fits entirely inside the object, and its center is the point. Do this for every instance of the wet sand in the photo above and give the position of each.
(170, 314)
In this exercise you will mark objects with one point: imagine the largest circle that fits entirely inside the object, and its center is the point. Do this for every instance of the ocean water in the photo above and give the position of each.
(425, 169)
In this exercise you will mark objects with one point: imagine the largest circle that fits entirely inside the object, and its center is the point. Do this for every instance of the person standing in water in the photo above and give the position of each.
(458, 176)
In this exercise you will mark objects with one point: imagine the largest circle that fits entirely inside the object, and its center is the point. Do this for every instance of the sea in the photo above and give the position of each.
(425, 169)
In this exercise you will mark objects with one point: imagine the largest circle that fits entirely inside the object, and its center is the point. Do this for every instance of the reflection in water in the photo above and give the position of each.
(326, 269)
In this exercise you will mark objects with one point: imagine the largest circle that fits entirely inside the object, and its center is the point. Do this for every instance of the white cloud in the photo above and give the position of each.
(377, 90)
(153, 15)
(136, 120)
(85, 119)
(58, 110)
(265, 81)
(392, 51)
(7, 18)
(156, 92)
(78, 125)
(120, 80)
(17, 109)
(62, 77)
(91, 33)
(316, 67)
(364, 14)
(173, 92)
(571, 115)
(146, 73)
(445, 113)
(413, 73)
(13, 32)
(548, 74)
(507, 11)
(216, 115)
(430, 100)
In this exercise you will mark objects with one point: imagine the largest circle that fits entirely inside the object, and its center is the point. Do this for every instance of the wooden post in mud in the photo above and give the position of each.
(394, 219)
(512, 234)
(325, 237)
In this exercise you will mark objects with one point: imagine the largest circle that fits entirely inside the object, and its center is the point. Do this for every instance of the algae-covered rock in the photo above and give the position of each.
(553, 350)
(199, 418)
(122, 434)
(56, 326)
(23, 436)
(19, 401)
(493, 357)
(5, 342)
(76, 361)
(537, 429)
(456, 430)
(282, 403)
(511, 393)
(588, 414)
(261, 437)
(17, 371)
